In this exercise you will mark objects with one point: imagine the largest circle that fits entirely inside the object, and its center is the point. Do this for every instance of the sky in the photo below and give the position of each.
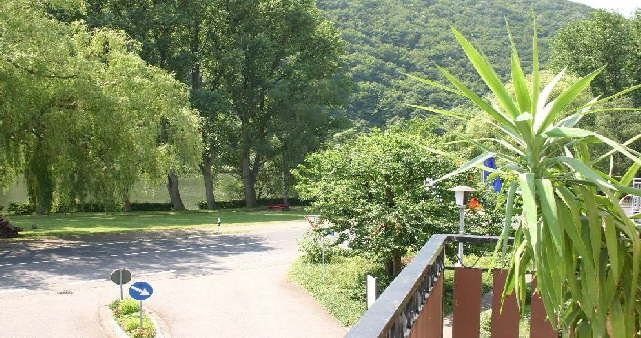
(625, 7)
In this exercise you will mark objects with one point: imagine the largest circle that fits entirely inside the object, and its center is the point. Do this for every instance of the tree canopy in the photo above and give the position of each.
(611, 41)
(265, 75)
(386, 39)
(82, 115)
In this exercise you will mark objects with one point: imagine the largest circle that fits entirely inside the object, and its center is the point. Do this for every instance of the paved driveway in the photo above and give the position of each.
(205, 285)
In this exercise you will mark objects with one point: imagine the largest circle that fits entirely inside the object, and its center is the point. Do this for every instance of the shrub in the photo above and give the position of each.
(130, 323)
(371, 191)
(20, 208)
(8, 230)
(151, 207)
(237, 204)
(317, 248)
(127, 306)
(127, 315)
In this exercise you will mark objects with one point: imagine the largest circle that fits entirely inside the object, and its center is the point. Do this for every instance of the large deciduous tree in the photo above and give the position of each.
(82, 116)
(248, 63)
(610, 40)
(280, 66)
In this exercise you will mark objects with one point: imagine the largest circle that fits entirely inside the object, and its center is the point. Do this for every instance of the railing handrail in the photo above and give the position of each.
(381, 316)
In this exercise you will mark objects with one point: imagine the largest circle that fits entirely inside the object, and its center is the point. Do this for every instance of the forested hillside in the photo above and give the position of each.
(386, 38)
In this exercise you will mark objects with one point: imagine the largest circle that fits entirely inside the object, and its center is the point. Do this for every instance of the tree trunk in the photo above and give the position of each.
(394, 265)
(249, 180)
(205, 168)
(286, 183)
(126, 203)
(174, 192)
(40, 184)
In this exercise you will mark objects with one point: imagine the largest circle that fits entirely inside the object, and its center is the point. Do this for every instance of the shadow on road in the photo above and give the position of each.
(36, 265)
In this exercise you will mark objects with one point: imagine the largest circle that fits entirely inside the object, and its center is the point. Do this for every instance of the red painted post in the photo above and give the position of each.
(540, 327)
(467, 303)
(505, 321)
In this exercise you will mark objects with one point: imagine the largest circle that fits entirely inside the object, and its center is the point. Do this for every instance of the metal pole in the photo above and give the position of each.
(461, 230)
(141, 314)
(121, 296)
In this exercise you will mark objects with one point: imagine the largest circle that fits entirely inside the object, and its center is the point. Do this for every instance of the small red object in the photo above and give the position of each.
(474, 203)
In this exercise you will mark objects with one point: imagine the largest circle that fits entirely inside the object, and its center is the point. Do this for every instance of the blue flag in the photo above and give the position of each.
(496, 183)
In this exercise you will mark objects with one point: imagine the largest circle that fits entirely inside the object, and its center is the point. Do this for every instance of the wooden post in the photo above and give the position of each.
(371, 291)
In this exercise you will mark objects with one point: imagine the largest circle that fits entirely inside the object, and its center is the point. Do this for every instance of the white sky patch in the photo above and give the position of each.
(625, 7)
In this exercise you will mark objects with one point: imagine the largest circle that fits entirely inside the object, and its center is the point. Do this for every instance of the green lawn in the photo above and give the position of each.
(62, 225)
(339, 287)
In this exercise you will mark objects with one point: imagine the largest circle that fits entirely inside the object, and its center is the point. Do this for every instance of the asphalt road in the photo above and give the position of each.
(205, 284)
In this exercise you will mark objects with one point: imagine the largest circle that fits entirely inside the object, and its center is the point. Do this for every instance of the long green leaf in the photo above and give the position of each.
(487, 73)
(536, 77)
(545, 192)
(540, 111)
(434, 84)
(588, 173)
(528, 192)
(609, 153)
(443, 112)
(518, 77)
(509, 214)
(582, 133)
(612, 246)
(630, 174)
(505, 144)
(503, 120)
(615, 95)
(467, 166)
(558, 105)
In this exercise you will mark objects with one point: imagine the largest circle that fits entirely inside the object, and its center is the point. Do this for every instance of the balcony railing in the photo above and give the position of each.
(412, 305)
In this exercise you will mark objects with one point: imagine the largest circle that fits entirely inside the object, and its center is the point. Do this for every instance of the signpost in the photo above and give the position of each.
(120, 277)
(140, 291)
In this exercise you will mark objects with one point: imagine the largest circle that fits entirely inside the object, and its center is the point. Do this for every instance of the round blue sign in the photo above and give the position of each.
(140, 290)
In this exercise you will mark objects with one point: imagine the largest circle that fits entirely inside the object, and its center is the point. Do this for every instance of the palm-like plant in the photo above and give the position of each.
(585, 251)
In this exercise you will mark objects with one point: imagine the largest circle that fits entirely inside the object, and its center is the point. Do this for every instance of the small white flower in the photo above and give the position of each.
(428, 183)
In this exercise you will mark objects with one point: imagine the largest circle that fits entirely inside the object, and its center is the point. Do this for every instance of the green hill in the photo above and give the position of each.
(386, 38)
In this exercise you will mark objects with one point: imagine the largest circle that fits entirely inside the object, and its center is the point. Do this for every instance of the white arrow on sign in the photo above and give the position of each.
(142, 292)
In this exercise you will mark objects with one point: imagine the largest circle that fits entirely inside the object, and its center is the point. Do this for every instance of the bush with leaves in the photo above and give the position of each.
(318, 248)
(371, 192)
(584, 249)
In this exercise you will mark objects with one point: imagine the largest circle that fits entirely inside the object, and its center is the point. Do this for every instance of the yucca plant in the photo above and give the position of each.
(584, 251)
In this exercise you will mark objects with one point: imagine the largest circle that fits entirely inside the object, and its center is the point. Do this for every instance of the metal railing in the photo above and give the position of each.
(412, 305)
(397, 309)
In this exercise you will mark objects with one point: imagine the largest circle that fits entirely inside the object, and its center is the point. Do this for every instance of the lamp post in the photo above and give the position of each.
(459, 196)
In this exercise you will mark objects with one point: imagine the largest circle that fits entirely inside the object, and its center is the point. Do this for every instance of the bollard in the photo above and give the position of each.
(371, 290)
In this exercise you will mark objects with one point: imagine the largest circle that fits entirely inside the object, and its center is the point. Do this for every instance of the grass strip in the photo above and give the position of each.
(78, 224)
(127, 315)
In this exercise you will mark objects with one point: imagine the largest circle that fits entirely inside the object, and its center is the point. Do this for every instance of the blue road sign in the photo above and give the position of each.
(140, 290)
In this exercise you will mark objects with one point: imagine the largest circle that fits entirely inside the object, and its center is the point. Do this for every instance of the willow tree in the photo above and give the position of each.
(584, 250)
(83, 116)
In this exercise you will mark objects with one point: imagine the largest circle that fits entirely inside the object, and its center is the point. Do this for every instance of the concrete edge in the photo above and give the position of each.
(162, 329)
(109, 324)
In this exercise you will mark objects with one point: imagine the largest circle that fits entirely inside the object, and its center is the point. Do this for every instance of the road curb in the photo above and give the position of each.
(108, 322)
(162, 330)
